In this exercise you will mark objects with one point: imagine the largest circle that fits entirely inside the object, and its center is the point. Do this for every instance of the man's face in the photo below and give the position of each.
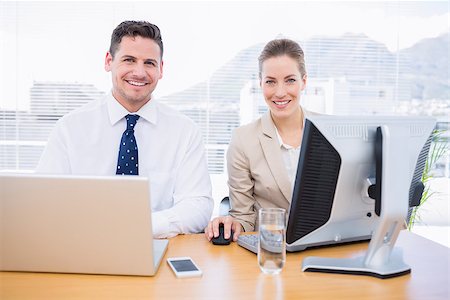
(135, 70)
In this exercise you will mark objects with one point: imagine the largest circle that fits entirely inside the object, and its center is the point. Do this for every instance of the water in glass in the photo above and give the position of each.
(272, 241)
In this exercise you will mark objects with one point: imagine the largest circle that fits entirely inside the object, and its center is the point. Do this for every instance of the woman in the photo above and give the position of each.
(262, 156)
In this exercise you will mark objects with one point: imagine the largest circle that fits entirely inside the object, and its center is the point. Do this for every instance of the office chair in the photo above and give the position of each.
(224, 206)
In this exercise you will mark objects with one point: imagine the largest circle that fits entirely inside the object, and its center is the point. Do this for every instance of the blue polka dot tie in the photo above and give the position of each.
(127, 162)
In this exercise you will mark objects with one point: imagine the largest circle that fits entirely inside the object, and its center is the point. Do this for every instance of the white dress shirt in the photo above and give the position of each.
(291, 156)
(171, 154)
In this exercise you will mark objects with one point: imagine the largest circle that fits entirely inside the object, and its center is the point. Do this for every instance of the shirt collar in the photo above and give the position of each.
(117, 112)
(280, 141)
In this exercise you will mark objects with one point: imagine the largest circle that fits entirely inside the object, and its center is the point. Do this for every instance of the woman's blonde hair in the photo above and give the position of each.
(280, 47)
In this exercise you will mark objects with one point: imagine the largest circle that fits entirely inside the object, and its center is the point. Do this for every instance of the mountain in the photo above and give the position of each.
(423, 68)
(429, 68)
(226, 82)
(354, 57)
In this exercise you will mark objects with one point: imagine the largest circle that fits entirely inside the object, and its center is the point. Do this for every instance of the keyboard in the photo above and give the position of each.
(272, 242)
(249, 242)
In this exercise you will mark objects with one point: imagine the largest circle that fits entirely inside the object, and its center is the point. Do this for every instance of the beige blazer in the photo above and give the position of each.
(257, 176)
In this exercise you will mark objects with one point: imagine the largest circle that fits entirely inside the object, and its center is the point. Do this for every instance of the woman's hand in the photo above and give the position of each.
(229, 223)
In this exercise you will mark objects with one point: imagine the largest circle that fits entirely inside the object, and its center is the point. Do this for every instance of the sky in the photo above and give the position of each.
(67, 41)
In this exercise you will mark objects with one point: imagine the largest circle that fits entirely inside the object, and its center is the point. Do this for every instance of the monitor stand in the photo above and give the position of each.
(381, 260)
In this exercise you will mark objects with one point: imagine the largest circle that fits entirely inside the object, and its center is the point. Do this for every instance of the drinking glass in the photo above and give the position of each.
(272, 240)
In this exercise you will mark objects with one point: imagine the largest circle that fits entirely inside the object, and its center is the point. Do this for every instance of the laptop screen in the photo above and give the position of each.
(77, 224)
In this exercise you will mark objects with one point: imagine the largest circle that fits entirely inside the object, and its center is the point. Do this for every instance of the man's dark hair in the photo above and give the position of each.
(132, 29)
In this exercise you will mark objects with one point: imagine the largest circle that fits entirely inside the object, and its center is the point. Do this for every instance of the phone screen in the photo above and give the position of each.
(184, 265)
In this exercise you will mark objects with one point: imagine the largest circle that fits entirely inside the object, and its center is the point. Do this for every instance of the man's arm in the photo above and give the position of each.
(54, 159)
(193, 203)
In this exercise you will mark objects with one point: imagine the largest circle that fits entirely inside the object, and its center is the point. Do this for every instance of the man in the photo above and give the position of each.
(130, 133)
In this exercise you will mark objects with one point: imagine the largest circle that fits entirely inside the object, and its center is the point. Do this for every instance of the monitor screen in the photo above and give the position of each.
(337, 191)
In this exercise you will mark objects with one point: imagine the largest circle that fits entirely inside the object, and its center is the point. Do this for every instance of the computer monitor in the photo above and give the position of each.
(356, 179)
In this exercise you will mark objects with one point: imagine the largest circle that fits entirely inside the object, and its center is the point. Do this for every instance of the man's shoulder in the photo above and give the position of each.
(86, 111)
(172, 115)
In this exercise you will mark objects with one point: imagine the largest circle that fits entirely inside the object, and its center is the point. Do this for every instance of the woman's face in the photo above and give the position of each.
(281, 83)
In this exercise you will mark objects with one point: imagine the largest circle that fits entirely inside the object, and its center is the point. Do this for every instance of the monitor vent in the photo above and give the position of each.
(349, 131)
(417, 130)
(418, 171)
(317, 174)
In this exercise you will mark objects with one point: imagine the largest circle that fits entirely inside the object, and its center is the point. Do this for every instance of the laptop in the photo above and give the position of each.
(77, 224)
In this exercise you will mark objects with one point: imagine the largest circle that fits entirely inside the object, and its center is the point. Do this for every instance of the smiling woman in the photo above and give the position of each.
(262, 156)
(282, 77)
(281, 84)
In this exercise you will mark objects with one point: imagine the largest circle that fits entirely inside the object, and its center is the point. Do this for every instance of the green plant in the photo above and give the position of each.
(438, 149)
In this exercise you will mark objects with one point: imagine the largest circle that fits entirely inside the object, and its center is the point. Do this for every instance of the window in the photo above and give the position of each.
(361, 58)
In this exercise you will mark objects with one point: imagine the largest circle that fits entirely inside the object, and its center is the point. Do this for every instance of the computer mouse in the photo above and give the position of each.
(221, 240)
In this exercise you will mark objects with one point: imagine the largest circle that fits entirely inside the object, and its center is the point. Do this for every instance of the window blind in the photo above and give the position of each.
(349, 72)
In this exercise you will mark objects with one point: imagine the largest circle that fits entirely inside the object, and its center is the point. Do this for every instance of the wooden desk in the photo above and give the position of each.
(231, 272)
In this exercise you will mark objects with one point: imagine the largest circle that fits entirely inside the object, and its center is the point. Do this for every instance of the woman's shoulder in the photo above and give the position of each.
(248, 130)
(245, 140)
(308, 113)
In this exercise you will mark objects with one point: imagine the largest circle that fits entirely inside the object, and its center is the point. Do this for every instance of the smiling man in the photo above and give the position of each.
(135, 63)
(128, 132)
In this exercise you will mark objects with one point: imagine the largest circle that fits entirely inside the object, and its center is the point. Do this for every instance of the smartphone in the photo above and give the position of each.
(184, 267)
